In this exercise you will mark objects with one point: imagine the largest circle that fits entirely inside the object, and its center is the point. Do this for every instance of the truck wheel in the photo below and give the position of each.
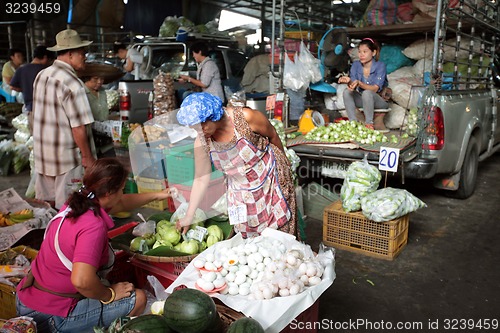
(468, 173)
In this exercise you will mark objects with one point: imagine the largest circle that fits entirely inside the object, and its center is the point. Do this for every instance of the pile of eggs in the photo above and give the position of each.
(260, 268)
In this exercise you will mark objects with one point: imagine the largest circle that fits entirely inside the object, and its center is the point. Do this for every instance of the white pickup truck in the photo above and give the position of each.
(171, 56)
(458, 111)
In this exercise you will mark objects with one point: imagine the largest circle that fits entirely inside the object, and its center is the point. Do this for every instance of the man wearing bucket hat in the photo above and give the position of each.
(63, 142)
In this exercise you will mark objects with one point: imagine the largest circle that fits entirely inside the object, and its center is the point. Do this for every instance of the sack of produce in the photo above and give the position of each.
(361, 179)
(389, 203)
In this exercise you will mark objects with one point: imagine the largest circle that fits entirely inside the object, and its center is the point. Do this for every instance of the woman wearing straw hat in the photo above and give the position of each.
(94, 76)
(63, 142)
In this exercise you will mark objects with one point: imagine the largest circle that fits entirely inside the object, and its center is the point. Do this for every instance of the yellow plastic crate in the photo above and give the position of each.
(304, 34)
(354, 232)
(146, 185)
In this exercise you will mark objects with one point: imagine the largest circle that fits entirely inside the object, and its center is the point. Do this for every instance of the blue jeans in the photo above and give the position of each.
(368, 100)
(85, 315)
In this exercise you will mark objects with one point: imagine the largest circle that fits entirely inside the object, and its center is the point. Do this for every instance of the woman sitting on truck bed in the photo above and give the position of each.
(365, 83)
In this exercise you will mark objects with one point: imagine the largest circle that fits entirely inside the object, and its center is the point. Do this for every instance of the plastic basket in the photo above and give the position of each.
(354, 232)
(8, 292)
(180, 165)
(165, 271)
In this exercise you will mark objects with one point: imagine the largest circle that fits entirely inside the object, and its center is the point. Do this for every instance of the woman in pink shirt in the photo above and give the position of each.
(64, 292)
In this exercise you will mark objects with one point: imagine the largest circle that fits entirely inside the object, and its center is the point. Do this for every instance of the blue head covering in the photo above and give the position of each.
(198, 108)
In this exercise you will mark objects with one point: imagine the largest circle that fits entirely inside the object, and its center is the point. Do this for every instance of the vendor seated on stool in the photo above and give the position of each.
(367, 78)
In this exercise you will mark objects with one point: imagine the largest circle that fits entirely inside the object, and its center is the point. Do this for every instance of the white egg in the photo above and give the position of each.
(264, 252)
(267, 293)
(230, 277)
(242, 259)
(245, 269)
(283, 283)
(284, 292)
(254, 274)
(233, 269)
(198, 263)
(209, 266)
(294, 289)
(257, 294)
(240, 278)
(275, 289)
(267, 261)
(246, 284)
(217, 263)
(303, 268)
(232, 260)
(244, 290)
(218, 283)
(311, 271)
(304, 278)
(205, 285)
(314, 280)
(210, 257)
(224, 272)
(209, 276)
(233, 290)
(291, 259)
(280, 265)
(251, 263)
(224, 291)
(260, 267)
(272, 266)
(268, 275)
(258, 257)
(260, 276)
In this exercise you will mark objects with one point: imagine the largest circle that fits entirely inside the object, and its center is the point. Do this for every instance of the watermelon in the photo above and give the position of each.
(190, 311)
(245, 325)
(149, 323)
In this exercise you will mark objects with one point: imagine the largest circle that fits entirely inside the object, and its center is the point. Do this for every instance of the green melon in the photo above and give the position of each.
(245, 325)
(190, 311)
(149, 323)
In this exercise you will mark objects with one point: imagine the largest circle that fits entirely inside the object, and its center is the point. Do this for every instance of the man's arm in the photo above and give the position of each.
(82, 141)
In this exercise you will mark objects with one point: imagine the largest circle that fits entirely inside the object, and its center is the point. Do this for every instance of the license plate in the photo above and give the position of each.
(334, 169)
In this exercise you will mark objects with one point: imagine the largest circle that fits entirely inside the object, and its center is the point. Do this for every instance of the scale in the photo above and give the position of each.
(309, 120)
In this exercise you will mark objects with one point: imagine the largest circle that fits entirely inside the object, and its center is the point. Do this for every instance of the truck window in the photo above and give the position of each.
(237, 63)
(169, 59)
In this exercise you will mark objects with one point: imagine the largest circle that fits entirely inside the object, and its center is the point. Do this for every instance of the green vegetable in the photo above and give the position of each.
(245, 325)
(150, 323)
(170, 234)
(162, 242)
(214, 230)
(190, 311)
(211, 240)
(138, 244)
(189, 247)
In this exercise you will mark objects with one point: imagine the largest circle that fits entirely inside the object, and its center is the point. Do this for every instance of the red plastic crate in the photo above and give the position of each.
(165, 272)
(121, 269)
(215, 190)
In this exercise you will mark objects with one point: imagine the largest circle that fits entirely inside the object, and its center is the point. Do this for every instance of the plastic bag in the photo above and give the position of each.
(361, 179)
(292, 75)
(309, 65)
(144, 228)
(389, 203)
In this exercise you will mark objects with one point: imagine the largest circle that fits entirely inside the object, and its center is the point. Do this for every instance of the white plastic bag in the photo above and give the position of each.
(144, 228)
(292, 75)
(309, 65)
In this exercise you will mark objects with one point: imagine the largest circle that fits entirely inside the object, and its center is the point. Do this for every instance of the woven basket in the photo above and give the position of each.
(163, 259)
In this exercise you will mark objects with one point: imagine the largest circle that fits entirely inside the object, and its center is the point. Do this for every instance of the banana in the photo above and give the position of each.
(2, 221)
(8, 222)
(21, 216)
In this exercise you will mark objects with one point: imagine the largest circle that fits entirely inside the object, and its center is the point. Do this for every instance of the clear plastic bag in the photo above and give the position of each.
(309, 65)
(144, 228)
(293, 75)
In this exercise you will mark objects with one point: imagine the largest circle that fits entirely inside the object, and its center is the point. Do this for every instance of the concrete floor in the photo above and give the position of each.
(448, 272)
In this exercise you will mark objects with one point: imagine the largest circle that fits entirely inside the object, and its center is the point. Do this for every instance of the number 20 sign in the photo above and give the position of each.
(388, 159)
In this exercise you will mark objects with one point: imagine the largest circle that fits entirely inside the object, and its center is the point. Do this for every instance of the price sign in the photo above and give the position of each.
(388, 159)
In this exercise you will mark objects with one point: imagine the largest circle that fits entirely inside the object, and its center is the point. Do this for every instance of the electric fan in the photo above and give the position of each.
(332, 53)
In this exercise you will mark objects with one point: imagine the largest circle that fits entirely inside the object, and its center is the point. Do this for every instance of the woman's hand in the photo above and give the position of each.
(184, 78)
(352, 85)
(123, 289)
(167, 193)
(183, 224)
(344, 79)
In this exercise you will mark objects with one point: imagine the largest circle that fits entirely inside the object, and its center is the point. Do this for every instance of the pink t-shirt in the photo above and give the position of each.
(84, 240)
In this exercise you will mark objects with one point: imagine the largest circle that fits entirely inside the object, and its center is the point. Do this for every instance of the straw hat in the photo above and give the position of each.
(109, 73)
(68, 39)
